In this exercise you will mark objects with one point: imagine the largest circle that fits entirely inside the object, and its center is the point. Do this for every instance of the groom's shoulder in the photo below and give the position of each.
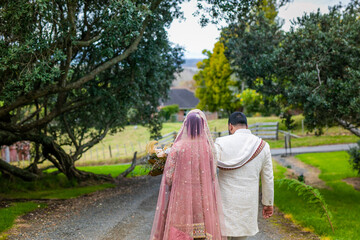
(224, 139)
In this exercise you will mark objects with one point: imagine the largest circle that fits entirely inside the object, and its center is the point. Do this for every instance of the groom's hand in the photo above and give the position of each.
(267, 211)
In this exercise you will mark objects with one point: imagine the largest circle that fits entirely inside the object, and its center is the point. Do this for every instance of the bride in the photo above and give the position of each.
(189, 205)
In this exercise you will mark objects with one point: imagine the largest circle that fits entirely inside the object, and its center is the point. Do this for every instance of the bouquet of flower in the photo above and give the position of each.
(157, 158)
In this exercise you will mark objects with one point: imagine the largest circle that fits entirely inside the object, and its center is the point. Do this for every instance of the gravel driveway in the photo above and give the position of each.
(125, 212)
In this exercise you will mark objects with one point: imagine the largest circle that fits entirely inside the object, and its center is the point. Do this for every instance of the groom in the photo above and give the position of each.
(242, 159)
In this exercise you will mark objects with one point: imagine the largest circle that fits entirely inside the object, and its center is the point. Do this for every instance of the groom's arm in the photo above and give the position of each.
(267, 183)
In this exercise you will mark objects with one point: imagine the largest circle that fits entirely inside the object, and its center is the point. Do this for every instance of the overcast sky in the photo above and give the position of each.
(194, 39)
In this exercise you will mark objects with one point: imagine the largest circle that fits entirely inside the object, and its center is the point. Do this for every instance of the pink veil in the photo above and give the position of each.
(189, 205)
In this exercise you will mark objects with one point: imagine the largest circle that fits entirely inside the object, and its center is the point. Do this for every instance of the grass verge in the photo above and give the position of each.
(342, 199)
(9, 214)
(59, 187)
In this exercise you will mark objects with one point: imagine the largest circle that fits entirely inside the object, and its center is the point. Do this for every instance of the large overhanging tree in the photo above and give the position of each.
(320, 57)
(70, 71)
(315, 66)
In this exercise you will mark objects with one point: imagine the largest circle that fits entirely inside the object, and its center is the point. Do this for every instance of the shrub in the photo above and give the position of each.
(167, 111)
(354, 160)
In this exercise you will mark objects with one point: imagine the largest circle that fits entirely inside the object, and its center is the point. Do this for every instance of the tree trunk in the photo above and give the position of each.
(18, 172)
(64, 162)
(349, 127)
(131, 168)
(52, 151)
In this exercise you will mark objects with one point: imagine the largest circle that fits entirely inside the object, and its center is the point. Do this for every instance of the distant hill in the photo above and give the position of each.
(185, 78)
(191, 62)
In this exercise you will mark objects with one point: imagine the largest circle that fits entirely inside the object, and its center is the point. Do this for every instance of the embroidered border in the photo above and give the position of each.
(198, 230)
(256, 153)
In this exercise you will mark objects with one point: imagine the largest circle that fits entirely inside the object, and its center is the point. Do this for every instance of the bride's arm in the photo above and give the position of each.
(170, 167)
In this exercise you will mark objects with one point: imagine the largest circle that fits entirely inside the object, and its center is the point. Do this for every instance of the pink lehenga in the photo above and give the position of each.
(189, 205)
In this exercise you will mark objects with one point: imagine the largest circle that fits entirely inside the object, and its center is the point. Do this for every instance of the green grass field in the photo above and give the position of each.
(342, 199)
(135, 138)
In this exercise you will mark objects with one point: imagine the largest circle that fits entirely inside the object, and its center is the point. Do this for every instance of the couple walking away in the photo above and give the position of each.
(210, 190)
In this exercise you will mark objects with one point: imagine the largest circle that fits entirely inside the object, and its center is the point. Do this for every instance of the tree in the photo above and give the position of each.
(70, 71)
(252, 49)
(314, 67)
(214, 81)
(320, 58)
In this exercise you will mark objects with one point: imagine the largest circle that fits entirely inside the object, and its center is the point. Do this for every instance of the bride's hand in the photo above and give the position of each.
(160, 153)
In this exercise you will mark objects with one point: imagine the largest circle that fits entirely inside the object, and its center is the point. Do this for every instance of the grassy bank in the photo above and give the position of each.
(51, 187)
(59, 187)
(10, 213)
(342, 199)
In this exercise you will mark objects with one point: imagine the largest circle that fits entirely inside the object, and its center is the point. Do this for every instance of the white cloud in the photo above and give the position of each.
(191, 35)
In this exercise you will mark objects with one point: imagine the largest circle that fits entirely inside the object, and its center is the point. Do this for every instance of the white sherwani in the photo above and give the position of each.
(240, 187)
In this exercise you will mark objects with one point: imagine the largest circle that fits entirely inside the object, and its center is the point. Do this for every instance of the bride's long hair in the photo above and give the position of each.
(189, 203)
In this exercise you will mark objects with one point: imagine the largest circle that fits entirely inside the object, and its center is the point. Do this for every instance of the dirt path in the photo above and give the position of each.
(125, 213)
(297, 168)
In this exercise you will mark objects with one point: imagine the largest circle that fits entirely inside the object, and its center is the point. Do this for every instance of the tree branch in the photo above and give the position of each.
(349, 126)
(48, 118)
(18, 172)
(70, 133)
(86, 43)
(30, 116)
(130, 169)
(88, 145)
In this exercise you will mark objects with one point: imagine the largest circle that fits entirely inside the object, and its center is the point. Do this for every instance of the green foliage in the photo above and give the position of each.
(167, 111)
(310, 194)
(11, 212)
(214, 83)
(72, 72)
(313, 67)
(320, 58)
(155, 126)
(286, 118)
(250, 101)
(354, 160)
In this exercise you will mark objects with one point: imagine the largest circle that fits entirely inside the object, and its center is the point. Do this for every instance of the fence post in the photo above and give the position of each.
(302, 126)
(287, 136)
(277, 131)
(289, 143)
(110, 151)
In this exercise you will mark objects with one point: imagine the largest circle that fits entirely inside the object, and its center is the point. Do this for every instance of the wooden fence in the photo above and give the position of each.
(265, 130)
